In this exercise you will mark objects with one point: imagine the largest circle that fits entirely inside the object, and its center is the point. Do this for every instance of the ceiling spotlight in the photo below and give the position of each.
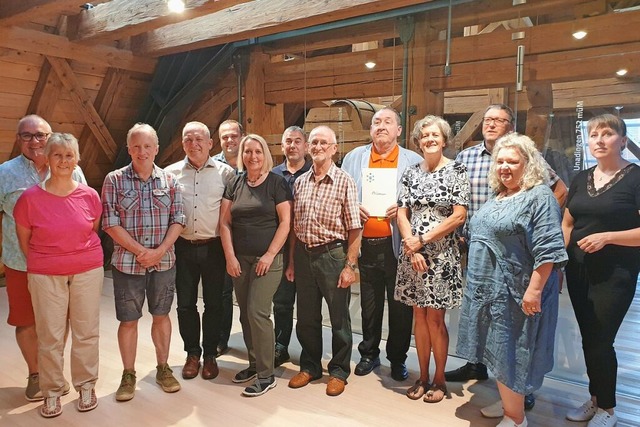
(176, 6)
(370, 65)
(621, 72)
(579, 35)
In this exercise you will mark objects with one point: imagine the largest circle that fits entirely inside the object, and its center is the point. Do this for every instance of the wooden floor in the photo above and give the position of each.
(373, 400)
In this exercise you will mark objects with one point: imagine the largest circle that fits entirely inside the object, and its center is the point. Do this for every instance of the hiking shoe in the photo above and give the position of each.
(166, 380)
(32, 393)
(127, 386)
(261, 386)
(52, 407)
(245, 375)
(584, 413)
(87, 399)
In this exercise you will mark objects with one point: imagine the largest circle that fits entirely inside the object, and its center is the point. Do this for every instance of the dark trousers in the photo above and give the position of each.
(378, 266)
(193, 263)
(283, 302)
(317, 278)
(227, 309)
(601, 293)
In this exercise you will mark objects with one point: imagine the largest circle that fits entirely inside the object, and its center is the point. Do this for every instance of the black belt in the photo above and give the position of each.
(200, 242)
(375, 241)
(326, 247)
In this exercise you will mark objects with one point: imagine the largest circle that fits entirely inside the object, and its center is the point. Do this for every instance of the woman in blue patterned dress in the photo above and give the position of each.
(510, 305)
(433, 202)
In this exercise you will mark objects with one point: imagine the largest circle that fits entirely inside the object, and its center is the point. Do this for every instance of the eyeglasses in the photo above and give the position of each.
(28, 136)
(496, 120)
(322, 144)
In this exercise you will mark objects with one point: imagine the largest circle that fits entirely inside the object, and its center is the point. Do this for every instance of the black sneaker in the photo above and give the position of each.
(245, 375)
(222, 348)
(261, 386)
(282, 356)
(366, 365)
(399, 371)
(470, 371)
(529, 402)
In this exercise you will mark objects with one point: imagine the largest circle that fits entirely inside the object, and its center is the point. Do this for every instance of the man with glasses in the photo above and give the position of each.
(16, 175)
(199, 254)
(230, 133)
(326, 238)
(380, 249)
(294, 148)
(498, 121)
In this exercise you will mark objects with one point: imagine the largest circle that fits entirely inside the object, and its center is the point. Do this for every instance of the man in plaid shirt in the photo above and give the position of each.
(143, 213)
(327, 241)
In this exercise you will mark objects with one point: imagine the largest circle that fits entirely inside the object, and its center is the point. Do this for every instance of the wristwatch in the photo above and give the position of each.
(351, 265)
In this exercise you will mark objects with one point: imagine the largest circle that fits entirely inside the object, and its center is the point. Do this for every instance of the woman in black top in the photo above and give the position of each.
(255, 216)
(602, 231)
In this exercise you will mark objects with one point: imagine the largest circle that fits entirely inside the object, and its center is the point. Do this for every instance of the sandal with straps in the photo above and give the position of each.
(436, 393)
(418, 390)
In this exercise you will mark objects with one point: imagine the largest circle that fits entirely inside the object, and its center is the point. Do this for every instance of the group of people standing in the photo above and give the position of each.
(300, 230)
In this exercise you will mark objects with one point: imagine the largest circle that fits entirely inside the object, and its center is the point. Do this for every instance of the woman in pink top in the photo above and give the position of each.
(56, 223)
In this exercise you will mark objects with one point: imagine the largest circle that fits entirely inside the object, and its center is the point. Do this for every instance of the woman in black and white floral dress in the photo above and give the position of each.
(432, 203)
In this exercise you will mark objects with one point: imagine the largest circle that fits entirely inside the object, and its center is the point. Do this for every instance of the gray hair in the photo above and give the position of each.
(65, 140)
(140, 128)
(429, 120)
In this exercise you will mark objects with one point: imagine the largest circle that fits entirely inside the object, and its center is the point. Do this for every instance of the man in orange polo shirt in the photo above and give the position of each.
(380, 246)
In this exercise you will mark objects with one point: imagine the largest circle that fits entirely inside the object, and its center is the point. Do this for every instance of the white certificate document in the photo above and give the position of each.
(379, 190)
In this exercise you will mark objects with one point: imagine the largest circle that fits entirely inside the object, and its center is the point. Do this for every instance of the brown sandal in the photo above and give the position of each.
(436, 393)
(418, 390)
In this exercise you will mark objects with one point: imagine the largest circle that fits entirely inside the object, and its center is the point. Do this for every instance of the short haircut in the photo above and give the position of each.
(140, 128)
(268, 161)
(34, 118)
(393, 110)
(535, 168)
(429, 120)
(503, 107)
(295, 129)
(207, 133)
(607, 120)
(232, 122)
(65, 140)
(332, 133)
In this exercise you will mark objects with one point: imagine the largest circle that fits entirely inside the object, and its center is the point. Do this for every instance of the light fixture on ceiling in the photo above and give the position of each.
(176, 6)
(579, 35)
(370, 65)
(621, 72)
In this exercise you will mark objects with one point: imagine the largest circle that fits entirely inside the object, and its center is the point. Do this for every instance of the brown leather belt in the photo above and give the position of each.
(200, 242)
(326, 247)
(375, 241)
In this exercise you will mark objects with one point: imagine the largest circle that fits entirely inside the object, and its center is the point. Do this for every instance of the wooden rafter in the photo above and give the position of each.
(84, 105)
(13, 12)
(53, 45)
(119, 19)
(254, 19)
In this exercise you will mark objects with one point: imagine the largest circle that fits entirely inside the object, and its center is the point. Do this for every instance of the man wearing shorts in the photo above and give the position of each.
(143, 213)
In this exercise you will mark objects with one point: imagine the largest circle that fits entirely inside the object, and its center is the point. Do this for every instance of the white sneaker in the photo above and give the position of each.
(494, 410)
(583, 413)
(603, 419)
(508, 422)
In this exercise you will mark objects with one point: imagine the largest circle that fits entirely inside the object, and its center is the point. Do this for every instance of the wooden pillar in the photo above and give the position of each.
(261, 118)
(540, 96)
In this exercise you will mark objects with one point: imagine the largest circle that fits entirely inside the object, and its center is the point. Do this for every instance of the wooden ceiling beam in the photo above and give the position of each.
(82, 101)
(255, 19)
(13, 12)
(120, 19)
(58, 46)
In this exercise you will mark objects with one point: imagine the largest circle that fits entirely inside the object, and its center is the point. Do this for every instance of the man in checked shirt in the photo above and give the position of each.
(325, 250)
(144, 214)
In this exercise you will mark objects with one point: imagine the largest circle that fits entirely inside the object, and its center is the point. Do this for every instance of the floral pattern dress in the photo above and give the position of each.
(430, 198)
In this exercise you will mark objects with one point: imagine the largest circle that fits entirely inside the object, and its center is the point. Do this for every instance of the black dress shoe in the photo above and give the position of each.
(282, 356)
(529, 402)
(222, 348)
(399, 371)
(366, 365)
(470, 371)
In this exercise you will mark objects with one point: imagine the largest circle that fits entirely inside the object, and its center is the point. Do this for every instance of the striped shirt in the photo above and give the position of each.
(145, 209)
(325, 210)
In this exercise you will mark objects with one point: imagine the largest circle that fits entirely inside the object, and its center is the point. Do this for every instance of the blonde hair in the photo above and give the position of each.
(62, 140)
(268, 161)
(535, 168)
